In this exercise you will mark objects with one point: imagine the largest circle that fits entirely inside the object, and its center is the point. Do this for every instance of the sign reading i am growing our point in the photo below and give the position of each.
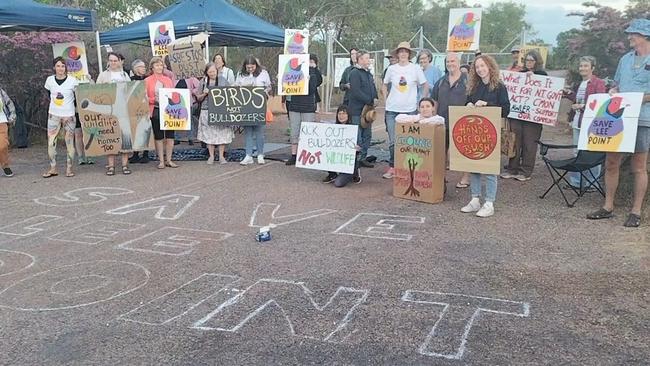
(328, 147)
(175, 109)
(161, 34)
(296, 41)
(533, 98)
(74, 54)
(475, 139)
(293, 77)
(464, 29)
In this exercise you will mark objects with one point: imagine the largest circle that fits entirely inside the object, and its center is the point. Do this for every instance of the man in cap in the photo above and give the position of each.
(632, 76)
(515, 59)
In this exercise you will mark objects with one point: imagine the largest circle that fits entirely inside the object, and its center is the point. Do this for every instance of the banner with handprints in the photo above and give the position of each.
(161, 34)
(475, 139)
(610, 122)
(114, 117)
(296, 41)
(293, 74)
(175, 109)
(464, 29)
(74, 54)
(533, 98)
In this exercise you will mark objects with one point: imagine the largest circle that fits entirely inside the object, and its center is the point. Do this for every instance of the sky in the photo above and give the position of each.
(548, 17)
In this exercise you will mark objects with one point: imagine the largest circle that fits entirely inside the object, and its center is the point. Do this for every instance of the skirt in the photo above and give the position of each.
(213, 134)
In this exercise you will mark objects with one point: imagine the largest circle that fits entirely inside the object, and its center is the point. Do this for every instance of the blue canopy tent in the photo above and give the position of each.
(28, 15)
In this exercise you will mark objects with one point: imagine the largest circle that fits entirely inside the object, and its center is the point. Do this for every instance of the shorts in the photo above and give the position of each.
(296, 118)
(159, 134)
(642, 139)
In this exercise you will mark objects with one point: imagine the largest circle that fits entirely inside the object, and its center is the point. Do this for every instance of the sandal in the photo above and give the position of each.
(110, 170)
(50, 173)
(462, 185)
(633, 220)
(600, 214)
(126, 170)
(161, 166)
(69, 173)
(171, 164)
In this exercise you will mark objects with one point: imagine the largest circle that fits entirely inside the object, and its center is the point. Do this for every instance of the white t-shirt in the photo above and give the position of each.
(118, 77)
(404, 83)
(580, 99)
(61, 96)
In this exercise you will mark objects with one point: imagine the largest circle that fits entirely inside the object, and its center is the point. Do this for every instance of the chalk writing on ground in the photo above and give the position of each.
(173, 241)
(82, 196)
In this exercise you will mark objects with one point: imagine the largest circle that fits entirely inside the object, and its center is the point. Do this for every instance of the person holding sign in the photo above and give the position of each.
(60, 115)
(226, 75)
(7, 117)
(212, 134)
(520, 166)
(139, 72)
(252, 74)
(485, 88)
(342, 179)
(632, 75)
(164, 140)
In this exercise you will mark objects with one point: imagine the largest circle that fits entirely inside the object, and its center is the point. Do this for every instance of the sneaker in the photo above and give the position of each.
(364, 163)
(486, 211)
(8, 172)
(473, 206)
(144, 159)
(507, 175)
(521, 178)
(210, 160)
(357, 178)
(330, 177)
(247, 160)
(389, 173)
(291, 161)
(135, 158)
(82, 161)
(260, 159)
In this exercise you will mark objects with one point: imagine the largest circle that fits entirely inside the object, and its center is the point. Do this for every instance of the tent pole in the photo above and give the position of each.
(225, 52)
(99, 51)
(207, 49)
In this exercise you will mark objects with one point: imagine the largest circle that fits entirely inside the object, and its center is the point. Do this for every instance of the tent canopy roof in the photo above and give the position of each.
(28, 15)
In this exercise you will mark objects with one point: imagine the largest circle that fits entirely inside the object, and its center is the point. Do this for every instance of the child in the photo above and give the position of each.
(342, 179)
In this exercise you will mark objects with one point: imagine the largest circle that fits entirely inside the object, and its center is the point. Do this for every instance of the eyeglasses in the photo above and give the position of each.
(530, 59)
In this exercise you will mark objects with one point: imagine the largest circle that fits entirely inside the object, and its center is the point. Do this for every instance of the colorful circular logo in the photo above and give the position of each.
(475, 137)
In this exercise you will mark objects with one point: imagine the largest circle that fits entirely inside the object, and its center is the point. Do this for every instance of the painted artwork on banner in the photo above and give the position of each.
(293, 77)
(464, 29)
(610, 122)
(74, 54)
(175, 109)
(533, 98)
(187, 60)
(296, 41)
(475, 139)
(114, 117)
(328, 147)
(237, 106)
(161, 35)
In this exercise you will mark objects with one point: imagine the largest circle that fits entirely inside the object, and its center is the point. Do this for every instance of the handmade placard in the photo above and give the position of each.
(475, 139)
(293, 77)
(114, 118)
(464, 29)
(296, 41)
(533, 98)
(74, 54)
(610, 122)
(236, 106)
(328, 147)
(187, 60)
(161, 34)
(175, 108)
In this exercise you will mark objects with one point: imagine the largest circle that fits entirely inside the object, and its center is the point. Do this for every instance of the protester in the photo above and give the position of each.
(190, 83)
(139, 72)
(226, 75)
(362, 93)
(343, 179)
(344, 83)
(464, 68)
(164, 139)
(632, 75)
(212, 134)
(252, 74)
(514, 52)
(431, 72)
(485, 88)
(427, 109)
(451, 90)
(115, 74)
(520, 166)
(405, 79)
(590, 84)
(60, 115)
(7, 117)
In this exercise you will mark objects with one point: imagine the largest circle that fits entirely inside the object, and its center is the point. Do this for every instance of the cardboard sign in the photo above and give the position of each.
(293, 74)
(114, 118)
(533, 98)
(175, 109)
(237, 106)
(328, 147)
(296, 41)
(187, 60)
(475, 139)
(161, 34)
(340, 64)
(464, 29)
(543, 51)
(419, 162)
(610, 123)
(74, 54)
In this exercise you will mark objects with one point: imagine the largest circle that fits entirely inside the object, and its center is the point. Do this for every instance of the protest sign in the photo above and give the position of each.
(293, 74)
(187, 60)
(464, 29)
(296, 41)
(475, 139)
(328, 147)
(236, 105)
(74, 54)
(610, 122)
(419, 162)
(533, 98)
(175, 108)
(114, 117)
(161, 34)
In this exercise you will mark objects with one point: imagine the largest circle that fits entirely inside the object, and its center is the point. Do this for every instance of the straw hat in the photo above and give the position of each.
(368, 116)
(406, 46)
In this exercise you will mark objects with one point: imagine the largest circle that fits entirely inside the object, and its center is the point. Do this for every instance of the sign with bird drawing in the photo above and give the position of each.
(74, 54)
(464, 29)
(610, 122)
(175, 109)
(293, 77)
(161, 34)
(296, 41)
(114, 117)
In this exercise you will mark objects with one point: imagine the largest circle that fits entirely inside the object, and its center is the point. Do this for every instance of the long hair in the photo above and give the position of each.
(205, 73)
(342, 108)
(474, 79)
(539, 61)
(251, 60)
(214, 59)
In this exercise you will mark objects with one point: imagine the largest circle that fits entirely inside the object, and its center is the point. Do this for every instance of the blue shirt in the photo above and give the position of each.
(433, 75)
(631, 79)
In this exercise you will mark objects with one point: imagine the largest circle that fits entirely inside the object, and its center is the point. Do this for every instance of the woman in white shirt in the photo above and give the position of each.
(226, 75)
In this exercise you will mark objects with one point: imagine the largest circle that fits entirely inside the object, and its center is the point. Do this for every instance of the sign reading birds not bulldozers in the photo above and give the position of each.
(419, 162)
(293, 65)
(236, 106)
(475, 139)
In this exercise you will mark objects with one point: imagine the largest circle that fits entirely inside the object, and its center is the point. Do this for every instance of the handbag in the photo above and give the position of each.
(269, 114)
(508, 139)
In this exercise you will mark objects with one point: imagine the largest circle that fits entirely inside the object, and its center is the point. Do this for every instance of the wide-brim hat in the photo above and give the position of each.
(640, 26)
(368, 116)
(406, 46)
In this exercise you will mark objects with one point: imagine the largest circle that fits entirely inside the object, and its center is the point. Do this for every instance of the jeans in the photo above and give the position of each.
(344, 178)
(390, 128)
(363, 137)
(257, 133)
(490, 186)
(574, 177)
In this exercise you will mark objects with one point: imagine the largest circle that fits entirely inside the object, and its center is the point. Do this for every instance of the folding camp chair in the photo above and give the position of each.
(581, 163)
